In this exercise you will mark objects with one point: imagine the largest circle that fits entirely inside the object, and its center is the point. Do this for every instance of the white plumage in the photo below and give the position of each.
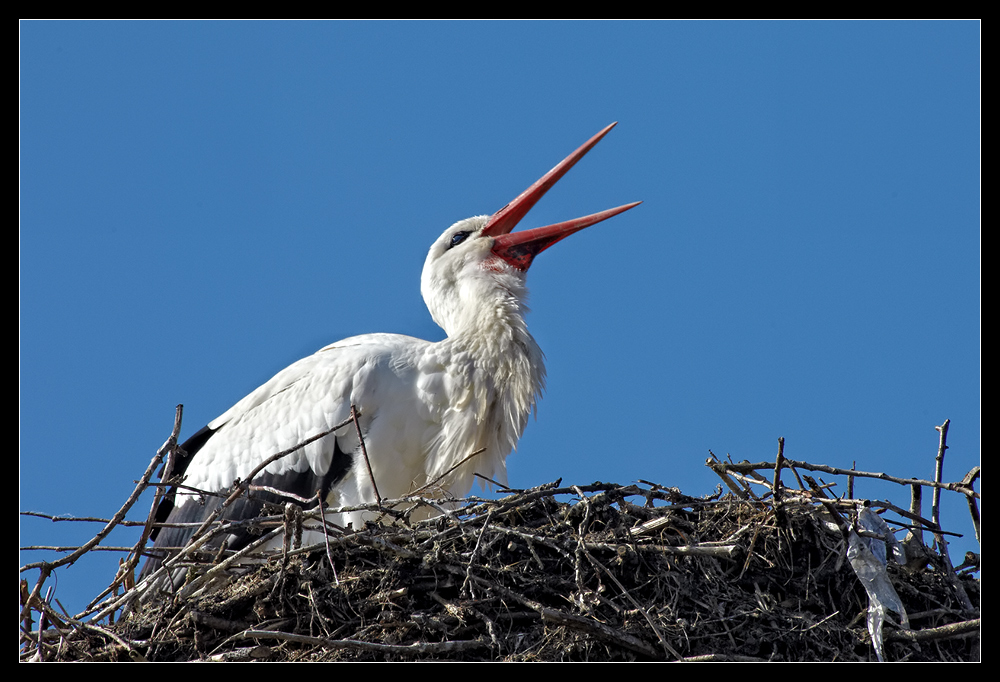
(424, 406)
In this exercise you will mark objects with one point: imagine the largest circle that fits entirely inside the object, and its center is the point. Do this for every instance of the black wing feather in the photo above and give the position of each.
(303, 484)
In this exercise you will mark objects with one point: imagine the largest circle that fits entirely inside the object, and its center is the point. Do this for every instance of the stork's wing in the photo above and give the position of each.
(307, 398)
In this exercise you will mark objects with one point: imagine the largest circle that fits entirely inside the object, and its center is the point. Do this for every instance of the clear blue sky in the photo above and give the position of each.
(203, 203)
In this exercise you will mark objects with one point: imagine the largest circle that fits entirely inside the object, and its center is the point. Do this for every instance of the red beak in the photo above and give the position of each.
(520, 248)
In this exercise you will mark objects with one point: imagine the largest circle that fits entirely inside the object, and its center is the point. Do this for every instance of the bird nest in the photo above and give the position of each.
(601, 572)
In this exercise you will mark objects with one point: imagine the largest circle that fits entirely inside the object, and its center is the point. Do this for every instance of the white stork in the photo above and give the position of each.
(424, 406)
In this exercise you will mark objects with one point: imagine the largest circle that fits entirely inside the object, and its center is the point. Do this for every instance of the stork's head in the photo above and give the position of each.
(479, 263)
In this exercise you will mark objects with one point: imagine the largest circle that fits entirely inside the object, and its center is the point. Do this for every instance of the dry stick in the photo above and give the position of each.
(47, 567)
(942, 544)
(372, 507)
(126, 570)
(42, 624)
(540, 540)
(717, 465)
(924, 523)
(746, 467)
(169, 449)
(414, 495)
(776, 485)
(133, 652)
(433, 483)
(397, 649)
(329, 542)
(819, 489)
(552, 490)
(962, 629)
(718, 551)
(939, 469)
(195, 586)
(56, 518)
(916, 508)
(283, 493)
(475, 551)
(457, 610)
(778, 463)
(747, 481)
(326, 544)
(969, 480)
(69, 548)
(292, 537)
(580, 532)
(802, 486)
(364, 451)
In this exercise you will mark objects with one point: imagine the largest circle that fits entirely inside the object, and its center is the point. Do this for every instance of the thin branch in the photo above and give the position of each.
(964, 629)
(364, 451)
(46, 569)
(437, 480)
(969, 480)
(746, 467)
(419, 649)
(939, 470)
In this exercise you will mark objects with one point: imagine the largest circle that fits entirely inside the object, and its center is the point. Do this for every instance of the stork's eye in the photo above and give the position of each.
(458, 238)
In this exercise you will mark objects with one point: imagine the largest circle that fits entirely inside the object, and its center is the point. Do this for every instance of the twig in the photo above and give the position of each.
(939, 470)
(969, 480)
(46, 569)
(451, 469)
(746, 467)
(55, 518)
(355, 415)
(776, 485)
(939, 539)
(963, 629)
(421, 648)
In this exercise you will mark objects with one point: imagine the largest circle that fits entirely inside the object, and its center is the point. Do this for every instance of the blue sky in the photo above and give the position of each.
(203, 203)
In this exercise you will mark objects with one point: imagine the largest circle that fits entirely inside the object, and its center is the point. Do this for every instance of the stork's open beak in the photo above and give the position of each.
(520, 248)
